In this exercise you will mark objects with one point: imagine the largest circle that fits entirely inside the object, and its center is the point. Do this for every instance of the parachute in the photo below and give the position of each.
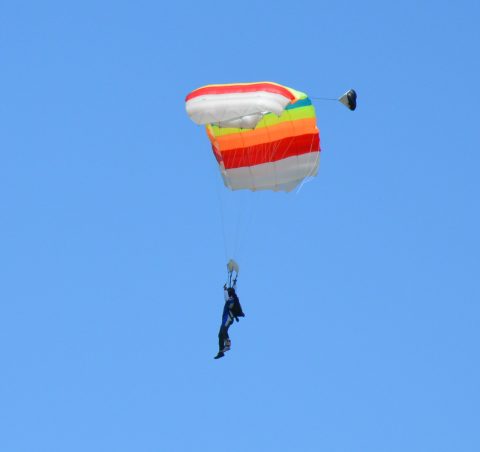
(264, 135)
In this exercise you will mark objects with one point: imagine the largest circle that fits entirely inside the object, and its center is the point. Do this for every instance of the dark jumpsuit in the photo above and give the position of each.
(227, 320)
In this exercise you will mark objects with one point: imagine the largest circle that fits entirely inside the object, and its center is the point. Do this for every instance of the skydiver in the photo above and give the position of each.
(231, 310)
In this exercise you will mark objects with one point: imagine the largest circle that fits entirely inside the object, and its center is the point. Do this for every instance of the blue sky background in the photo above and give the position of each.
(361, 291)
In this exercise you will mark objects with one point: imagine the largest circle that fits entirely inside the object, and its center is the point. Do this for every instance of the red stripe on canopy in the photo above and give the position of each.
(269, 152)
(245, 88)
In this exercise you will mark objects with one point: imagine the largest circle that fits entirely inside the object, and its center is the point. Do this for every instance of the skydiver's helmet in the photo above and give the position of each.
(231, 291)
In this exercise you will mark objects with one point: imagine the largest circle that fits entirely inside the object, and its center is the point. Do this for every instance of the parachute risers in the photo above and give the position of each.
(349, 99)
(232, 267)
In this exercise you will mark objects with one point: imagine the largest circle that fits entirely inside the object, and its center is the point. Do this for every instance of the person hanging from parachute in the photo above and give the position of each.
(231, 310)
(264, 136)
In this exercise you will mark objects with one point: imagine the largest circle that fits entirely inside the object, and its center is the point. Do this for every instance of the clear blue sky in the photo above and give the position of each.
(361, 291)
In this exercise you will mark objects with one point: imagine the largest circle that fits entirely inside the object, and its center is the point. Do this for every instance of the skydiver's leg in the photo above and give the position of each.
(222, 335)
(227, 340)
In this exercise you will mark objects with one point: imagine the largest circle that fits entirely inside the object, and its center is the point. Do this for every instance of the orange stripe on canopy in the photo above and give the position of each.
(262, 135)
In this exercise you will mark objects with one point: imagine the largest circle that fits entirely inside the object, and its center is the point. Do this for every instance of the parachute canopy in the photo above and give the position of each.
(263, 135)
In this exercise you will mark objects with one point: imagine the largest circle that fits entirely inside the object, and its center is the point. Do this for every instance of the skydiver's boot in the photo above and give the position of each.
(228, 343)
(220, 354)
